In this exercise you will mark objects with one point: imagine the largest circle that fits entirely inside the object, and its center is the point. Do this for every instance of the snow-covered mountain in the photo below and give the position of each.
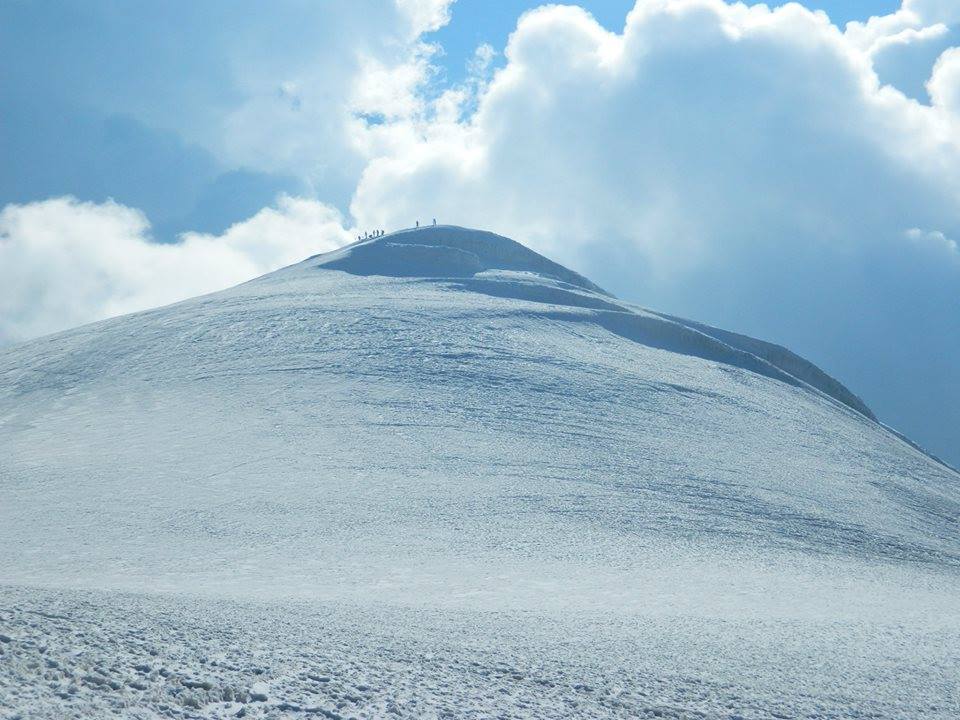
(449, 475)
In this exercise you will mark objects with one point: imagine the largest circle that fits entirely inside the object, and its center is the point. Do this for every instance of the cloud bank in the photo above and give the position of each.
(760, 169)
(65, 262)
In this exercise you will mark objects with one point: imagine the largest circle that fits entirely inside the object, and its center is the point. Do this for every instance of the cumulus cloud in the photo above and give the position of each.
(913, 15)
(741, 165)
(297, 115)
(944, 84)
(65, 262)
(425, 15)
(904, 45)
(904, 59)
(698, 106)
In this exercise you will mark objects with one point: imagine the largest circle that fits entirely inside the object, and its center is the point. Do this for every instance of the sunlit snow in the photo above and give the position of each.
(437, 475)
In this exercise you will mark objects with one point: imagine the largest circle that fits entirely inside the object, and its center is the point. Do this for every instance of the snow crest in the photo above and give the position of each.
(454, 252)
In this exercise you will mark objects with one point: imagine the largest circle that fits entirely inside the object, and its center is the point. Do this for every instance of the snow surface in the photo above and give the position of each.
(459, 480)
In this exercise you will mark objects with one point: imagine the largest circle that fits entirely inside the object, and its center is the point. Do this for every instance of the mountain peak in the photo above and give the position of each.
(485, 262)
(446, 251)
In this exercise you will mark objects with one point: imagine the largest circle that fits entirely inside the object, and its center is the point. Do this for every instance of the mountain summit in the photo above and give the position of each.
(443, 433)
(493, 261)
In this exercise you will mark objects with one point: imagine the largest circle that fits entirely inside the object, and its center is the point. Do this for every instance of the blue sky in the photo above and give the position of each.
(761, 170)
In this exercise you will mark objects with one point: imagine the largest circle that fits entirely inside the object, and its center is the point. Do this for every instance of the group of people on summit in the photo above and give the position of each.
(379, 233)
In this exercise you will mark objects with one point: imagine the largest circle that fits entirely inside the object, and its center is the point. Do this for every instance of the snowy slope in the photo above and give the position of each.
(442, 438)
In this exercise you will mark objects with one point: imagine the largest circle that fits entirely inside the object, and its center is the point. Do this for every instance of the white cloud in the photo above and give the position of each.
(479, 65)
(905, 59)
(904, 45)
(944, 85)
(64, 262)
(913, 15)
(732, 108)
(390, 90)
(425, 15)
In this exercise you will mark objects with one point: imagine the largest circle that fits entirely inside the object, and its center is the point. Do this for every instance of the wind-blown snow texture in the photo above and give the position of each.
(437, 475)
